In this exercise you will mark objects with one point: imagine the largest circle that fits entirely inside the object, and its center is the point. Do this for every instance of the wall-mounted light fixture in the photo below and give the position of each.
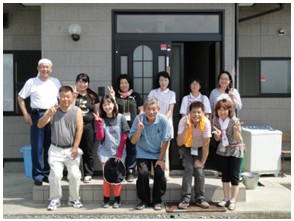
(75, 31)
(281, 31)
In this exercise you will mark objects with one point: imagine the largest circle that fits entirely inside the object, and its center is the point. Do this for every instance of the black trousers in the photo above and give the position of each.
(86, 144)
(131, 155)
(230, 167)
(143, 188)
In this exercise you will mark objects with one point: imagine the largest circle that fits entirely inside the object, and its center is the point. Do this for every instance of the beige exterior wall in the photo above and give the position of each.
(258, 38)
(92, 54)
(24, 31)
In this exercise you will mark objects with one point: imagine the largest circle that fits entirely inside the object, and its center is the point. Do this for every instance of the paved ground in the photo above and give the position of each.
(271, 199)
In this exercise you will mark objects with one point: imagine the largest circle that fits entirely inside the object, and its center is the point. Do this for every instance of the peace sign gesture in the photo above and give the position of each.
(111, 92)
(231, 93)
(216, 131)
(97, 117)
(237, 126)
(188, 123)
(140, 125)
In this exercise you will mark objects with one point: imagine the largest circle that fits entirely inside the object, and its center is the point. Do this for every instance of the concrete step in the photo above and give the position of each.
(93, 192)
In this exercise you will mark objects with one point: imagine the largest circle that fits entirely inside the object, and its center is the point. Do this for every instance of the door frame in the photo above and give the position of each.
(174, 38)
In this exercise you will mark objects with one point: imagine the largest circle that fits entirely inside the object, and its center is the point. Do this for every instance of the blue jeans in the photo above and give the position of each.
(40, 143)
(189, 172)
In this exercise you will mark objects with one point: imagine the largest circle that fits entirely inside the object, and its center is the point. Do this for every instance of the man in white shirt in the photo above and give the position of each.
(43, 93)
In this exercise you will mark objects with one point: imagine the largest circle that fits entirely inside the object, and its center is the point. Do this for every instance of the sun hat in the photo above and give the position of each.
(114, 172)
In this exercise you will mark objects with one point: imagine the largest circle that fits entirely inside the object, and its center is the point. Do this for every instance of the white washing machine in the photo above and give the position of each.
(263, 149)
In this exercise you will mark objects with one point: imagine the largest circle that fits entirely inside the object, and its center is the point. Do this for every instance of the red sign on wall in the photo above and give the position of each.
(163, 47)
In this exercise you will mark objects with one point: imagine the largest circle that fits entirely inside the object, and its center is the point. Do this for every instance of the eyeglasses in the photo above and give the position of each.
(224, 79)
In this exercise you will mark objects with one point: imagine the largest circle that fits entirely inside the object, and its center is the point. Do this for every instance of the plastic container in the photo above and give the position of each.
(250, 179)
(26, 150)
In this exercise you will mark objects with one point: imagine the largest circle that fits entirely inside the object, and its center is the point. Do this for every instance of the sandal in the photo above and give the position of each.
(157, 206)
(183, 205)
(232, 205)
(224, 203)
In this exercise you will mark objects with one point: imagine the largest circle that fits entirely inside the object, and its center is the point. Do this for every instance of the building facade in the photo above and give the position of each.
(253, 42)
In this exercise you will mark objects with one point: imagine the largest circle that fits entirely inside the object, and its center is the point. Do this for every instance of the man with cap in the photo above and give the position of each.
(43, 93)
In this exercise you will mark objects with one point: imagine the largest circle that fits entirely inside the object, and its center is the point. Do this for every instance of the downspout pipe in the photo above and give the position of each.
(281, 7)
(236, 48)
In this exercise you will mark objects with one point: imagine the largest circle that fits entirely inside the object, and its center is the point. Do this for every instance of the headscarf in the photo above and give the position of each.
(125, 94)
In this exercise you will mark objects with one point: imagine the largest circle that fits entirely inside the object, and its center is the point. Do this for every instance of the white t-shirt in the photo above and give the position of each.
(165, 98)
(188, 99)
(43, 94)
(216, 95)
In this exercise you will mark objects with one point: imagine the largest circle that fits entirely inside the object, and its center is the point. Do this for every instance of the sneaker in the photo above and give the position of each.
(183, 205)
(75, 204)
(53, 205)
(157, 207)
(130, 176)
(202, 203)
(232, 205)
(105, 205)
(45, 179)
(87, 179)
(140, 206)
(38, 182)
(224, 203)
(167, 178)
(116, 205)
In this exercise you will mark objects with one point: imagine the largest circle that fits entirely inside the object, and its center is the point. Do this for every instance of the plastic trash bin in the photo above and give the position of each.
(26, 150)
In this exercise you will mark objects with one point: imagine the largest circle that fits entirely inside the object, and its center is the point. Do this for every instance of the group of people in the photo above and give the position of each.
(66, 119)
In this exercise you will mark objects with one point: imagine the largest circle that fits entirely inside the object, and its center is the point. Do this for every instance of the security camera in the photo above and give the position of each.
(75, 31)
(75, 37)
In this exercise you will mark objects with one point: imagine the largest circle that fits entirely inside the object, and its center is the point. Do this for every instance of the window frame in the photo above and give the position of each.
(10, 112)
(24, 67)
(259, 60)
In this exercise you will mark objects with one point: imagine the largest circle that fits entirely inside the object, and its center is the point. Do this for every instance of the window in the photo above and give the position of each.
(8, 92)
(143, 69)
(265, 77)
(168, 23)
(18, 67)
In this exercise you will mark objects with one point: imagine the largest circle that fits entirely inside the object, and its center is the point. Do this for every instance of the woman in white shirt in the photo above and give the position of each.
(167, 100)
(225, 90)
(195, 95)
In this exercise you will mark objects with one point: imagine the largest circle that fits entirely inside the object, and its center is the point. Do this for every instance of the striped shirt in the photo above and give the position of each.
(197, 135)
